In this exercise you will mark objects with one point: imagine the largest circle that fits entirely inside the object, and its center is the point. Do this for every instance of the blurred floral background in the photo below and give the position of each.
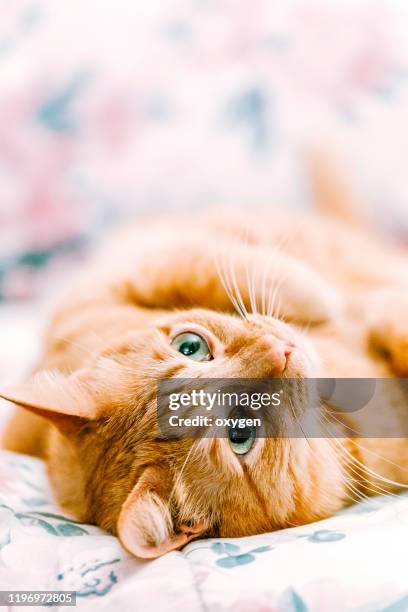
(114, 108)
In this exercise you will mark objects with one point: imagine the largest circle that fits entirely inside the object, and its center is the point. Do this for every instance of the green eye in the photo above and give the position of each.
(241, 439)
(193, 346)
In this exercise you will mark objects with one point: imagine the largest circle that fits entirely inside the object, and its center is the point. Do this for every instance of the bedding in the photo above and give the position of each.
(353, 561)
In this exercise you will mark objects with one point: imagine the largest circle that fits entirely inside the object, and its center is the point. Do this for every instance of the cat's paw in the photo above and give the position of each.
(399, 355)
(306, 298)
(389, 328)
(392, 340)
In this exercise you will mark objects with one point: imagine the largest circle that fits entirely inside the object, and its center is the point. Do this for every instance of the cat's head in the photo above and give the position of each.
(110, 464)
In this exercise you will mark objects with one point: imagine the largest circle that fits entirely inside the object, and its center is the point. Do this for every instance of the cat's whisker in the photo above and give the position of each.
(356, 499)
(270, 300)
(263, 290)
(233, 277)
(278, 312)
(250, 286)
(268, 304)
(365, 482)
(298, 421)
(180, 474)
(275, 286)
(377, 476)
(346, 479)
(255, 286)
(360, 446)
(358, 495)
(354, 463)
(247, 275)
(222, 274)
(276, 298)
(278, 308)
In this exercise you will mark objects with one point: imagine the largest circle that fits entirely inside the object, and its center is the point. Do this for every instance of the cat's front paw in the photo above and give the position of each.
(389, 328)
(309, 300)
(400, 355)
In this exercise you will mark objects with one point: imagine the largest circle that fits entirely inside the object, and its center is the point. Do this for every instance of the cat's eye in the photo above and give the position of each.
(193, 346)
(241, 440)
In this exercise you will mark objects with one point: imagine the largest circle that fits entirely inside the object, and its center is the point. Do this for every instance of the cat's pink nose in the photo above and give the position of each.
(276, 351)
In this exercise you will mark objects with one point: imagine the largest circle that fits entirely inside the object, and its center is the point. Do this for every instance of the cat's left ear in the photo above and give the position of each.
(145, 526)
(66, 401)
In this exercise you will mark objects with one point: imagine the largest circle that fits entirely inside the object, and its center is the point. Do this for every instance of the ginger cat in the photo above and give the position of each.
(155, 303)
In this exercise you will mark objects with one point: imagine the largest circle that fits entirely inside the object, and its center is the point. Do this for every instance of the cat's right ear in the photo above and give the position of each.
(65, 401)
(145, 526)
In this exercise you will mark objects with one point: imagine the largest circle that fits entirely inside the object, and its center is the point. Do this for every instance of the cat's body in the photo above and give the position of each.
(112, 338)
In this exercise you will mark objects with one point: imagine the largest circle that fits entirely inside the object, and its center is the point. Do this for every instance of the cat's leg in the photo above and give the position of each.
(389, 327)
(187, 267)
(248, 277)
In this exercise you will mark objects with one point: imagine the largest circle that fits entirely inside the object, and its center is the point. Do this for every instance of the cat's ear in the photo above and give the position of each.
(145, 525)
(66, 401)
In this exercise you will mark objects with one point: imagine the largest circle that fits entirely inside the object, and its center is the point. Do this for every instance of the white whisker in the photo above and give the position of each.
(238, 295)
(226, 283)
